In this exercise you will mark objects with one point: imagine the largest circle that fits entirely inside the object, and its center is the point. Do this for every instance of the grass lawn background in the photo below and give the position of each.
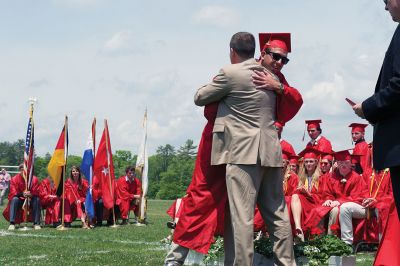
(125, 245)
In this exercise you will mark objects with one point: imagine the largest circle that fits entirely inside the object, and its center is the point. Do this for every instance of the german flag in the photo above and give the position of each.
(58, 161)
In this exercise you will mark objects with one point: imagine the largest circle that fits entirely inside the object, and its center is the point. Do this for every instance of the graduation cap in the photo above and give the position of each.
(275, 40)
(286, 154)
(357, 127)
(309, 153)
(313, 123)
(327, 156)
(342, 155)
(294, 159)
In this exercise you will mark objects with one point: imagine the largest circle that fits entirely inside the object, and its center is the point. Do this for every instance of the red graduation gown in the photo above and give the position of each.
(322, 145)
(350, 191)
(73, 193)
(388, 252)
(18, 186)
(51, 204)
(202, 214)
(362, 148)
(126, 191)
(286, 146)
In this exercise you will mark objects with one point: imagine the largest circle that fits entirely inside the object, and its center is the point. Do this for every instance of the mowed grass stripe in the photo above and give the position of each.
(124, 245)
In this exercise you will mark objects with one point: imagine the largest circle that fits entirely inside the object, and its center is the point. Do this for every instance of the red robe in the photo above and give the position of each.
(289, 103)
(334, 189)
(322, 145)
(362, 148)
(73, 193)
(17, 187)
(388, 251)
(51, 204)
(369, 229)
(308, 200)
(202, 215)
(126, 191)
(286, 146)
(96, 189)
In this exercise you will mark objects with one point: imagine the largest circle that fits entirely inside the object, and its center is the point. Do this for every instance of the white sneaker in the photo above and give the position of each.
(37, 227)
(11, 227)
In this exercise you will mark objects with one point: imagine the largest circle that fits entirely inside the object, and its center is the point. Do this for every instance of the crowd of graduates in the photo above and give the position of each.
(27, 205)
(330, 192)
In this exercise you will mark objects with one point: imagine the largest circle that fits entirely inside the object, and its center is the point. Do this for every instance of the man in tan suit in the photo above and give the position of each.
(244, 138)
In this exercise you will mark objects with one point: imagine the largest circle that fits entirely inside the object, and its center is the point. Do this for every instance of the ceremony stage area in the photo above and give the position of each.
(125, 245)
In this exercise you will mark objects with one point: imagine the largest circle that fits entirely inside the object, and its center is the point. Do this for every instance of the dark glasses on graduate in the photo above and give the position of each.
(278, 57)
(386, 2)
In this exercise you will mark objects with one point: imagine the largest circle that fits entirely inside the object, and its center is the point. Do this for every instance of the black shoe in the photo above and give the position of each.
(124, 222)
(68, 225)
(171, 225)
(99, 224)
(56, 224)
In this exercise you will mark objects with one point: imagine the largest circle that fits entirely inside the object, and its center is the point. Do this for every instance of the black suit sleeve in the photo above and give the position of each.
(386, 100)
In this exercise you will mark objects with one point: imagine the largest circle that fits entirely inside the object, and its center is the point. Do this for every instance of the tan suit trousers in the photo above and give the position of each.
(248, 185)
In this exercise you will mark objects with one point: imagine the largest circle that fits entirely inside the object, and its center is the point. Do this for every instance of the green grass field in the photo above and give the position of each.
(125, 245)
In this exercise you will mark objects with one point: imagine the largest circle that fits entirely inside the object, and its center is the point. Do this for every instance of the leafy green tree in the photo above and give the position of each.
(12, 153)
(188, 150)
(121, 160)
(41, 166)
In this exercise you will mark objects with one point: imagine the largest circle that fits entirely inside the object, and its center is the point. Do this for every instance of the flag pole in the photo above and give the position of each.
(62, 226)
(109, 172)
(25, 171)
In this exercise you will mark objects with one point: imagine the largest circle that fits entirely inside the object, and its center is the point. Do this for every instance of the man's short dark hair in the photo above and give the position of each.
(244, 44)
(129, 168)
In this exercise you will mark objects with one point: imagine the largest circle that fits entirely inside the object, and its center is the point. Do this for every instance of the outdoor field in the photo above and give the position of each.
(125, 245)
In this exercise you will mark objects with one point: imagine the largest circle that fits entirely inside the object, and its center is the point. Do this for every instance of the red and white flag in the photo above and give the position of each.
(104, 168)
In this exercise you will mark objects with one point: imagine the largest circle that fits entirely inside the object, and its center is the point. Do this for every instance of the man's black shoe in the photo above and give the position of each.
(171, 225)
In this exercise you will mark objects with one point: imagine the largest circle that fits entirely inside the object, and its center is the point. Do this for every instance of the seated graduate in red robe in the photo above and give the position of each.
(18, 196)
(128, 194)
(308, 191)
(317, 141)
(341, 185)
(373, 210)
(50, 201)
(75, 195)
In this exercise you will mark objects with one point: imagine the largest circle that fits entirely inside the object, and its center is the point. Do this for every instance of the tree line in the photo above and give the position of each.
(170, 169)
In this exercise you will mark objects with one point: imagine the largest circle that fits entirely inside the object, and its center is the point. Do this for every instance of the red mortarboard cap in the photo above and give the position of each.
(313, 123)
(286, 154)
(275, 40)
(327, 156)
(342, 155)
(357, 127)
(294, 159)
(309, 153)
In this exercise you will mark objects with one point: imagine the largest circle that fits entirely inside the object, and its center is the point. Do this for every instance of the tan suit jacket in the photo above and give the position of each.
(244, 128)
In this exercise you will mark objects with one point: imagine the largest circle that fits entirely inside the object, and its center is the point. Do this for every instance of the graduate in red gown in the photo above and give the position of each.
(326, 163)
(50, 201)
(128, 192)
(376, 203)
(16, 198)
(308, 193)
(317, 141)
(202, 215)
(341, 185)
(75, 195)
(294, 163)
(361, 147)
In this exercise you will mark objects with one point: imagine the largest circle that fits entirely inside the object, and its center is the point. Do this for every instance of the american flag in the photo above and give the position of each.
(29, 154)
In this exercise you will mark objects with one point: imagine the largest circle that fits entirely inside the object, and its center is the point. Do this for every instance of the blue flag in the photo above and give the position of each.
(87, 170)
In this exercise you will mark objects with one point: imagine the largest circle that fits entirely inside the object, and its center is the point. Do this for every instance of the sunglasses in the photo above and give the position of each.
(386, 2)
(278, 57)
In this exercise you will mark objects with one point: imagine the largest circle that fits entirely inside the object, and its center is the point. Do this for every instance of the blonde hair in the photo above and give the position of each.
(303, 175)
(286, 176)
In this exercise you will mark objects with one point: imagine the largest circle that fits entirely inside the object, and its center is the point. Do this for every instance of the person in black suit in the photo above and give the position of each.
(382, 109)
